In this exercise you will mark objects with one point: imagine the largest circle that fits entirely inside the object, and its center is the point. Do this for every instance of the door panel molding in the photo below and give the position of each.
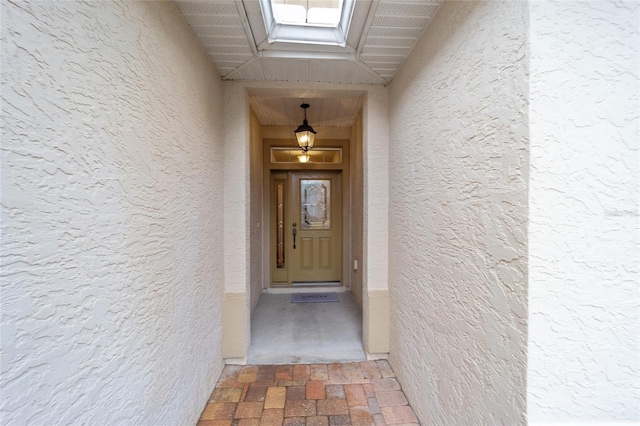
(306, 253)
(325, 253)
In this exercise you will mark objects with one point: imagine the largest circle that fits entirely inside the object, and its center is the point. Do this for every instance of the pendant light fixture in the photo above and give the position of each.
(305, 133)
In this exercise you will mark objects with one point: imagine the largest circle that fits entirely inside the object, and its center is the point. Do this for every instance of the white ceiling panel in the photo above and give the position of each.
(222, 50)
(224, 40)
(386, 51)
(207, 7)
(415, 8)
(253, 72)
(276, 69)
(400, 21)
(213, 20)
(212, 31)
(322, 112)
(409, 33)
(366, 76)
(390, 42)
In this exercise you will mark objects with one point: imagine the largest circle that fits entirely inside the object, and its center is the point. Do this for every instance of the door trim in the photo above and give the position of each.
(269, 168)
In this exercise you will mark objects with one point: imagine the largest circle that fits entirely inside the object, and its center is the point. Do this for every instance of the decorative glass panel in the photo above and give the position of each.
(315, 199)
(280, 224)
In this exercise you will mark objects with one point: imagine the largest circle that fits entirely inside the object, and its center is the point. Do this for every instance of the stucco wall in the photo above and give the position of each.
(111, 215)
(375, 222)
(237, 221)
(458, 216)
(584, 232)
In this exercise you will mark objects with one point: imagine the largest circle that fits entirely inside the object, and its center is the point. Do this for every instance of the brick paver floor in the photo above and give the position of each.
(364, 393)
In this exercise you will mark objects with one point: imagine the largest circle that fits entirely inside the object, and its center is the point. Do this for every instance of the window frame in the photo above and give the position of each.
(308, 33)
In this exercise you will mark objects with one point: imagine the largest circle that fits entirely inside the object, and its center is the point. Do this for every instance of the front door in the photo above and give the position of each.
(306, 234)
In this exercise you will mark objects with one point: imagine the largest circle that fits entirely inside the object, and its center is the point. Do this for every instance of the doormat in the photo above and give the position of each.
(314, 297)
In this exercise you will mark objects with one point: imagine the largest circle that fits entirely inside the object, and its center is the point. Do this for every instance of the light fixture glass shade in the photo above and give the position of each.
(305, 133)
(304, 158)
(305, 137)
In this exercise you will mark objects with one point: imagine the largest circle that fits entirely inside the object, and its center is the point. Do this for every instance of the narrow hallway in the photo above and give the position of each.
(364, 393)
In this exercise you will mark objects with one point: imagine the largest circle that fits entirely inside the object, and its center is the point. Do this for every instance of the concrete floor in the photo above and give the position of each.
(292, 333)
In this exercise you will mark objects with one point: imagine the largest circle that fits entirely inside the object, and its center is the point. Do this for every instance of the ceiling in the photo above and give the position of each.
(273, 110)
(381, 36)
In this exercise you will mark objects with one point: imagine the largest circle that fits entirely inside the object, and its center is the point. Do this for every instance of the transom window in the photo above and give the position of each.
(316, 155)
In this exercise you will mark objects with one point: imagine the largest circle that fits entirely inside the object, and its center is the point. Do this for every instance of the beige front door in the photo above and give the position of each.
(306, 235)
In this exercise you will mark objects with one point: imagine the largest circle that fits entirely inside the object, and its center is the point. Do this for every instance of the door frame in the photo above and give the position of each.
(269, 167)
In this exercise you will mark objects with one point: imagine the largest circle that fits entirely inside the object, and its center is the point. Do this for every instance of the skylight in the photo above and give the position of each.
(324, 13)
(320, 22)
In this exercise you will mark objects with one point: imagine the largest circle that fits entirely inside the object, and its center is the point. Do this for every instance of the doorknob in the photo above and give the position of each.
(294, 231)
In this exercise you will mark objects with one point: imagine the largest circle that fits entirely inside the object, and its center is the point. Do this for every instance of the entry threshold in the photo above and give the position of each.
(306, 289)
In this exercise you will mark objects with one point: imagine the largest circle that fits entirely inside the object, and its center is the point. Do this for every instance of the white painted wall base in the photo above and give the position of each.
(235, 343)
(236, 361)
(376, 321)
(377, 356)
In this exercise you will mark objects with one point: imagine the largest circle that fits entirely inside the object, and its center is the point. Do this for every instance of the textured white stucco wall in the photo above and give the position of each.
(237, 229)
(111, 215)
(375, 158)
(458, 217)
(375, 217)
(584, 205)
